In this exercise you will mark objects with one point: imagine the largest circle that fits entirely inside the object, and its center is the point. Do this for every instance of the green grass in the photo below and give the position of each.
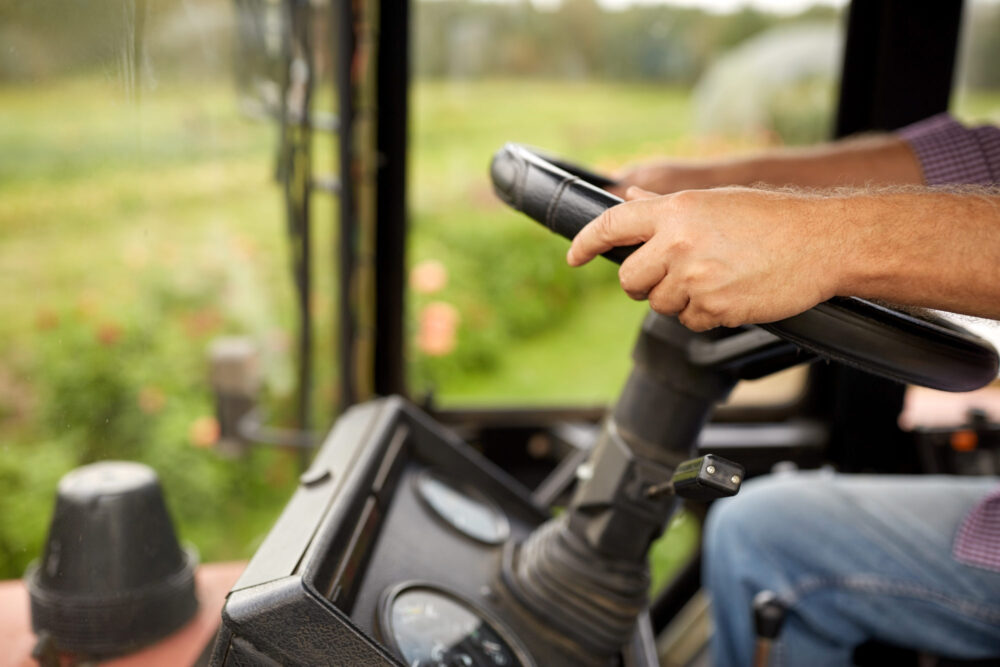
(133, 232)
(585, 360)
(157, 220)
(505, 267)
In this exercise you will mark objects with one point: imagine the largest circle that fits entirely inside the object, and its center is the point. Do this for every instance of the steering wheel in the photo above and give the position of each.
(926, 350)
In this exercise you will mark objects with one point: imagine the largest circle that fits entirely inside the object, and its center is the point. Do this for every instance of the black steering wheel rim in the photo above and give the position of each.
(875, 338)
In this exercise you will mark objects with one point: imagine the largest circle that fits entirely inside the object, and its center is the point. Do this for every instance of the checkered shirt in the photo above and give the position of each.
(952, 154)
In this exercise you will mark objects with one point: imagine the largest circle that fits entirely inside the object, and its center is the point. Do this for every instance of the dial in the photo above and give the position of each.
(466, 509)
(430, 627)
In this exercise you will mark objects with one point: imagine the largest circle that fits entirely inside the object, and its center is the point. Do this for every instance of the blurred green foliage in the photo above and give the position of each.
(133, 232)
(131, 386)
(802, 111)
(580, 39)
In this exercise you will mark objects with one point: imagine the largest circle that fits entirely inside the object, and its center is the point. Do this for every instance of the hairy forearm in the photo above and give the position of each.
(919, 246)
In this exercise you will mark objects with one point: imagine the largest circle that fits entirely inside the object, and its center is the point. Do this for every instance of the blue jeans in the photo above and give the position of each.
(855, 557)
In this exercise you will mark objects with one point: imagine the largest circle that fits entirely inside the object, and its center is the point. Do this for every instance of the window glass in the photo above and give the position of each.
(495, 315)
(139, 220)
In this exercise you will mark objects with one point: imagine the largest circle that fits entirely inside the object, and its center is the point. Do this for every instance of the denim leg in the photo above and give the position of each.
(855, 557)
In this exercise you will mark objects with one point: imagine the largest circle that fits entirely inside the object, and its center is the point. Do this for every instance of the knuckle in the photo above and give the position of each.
(695, 322)
(685, 200)
(663, 301)
(658, 301)
(697, 275)
(681, 246)
(713, 306)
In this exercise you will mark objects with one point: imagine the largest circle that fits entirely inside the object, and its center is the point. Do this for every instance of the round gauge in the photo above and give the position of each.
(466, 509)
(431, 627)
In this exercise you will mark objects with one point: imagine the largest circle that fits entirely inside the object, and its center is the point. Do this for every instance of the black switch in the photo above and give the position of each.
(707, 478)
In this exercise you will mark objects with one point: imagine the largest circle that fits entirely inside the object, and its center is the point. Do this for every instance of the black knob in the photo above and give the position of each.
(768, 614)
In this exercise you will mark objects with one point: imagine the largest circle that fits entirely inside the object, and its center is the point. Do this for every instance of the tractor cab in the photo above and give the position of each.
(444, 517)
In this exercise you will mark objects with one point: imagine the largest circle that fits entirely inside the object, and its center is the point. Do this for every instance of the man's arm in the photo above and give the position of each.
(882, 159)
(733, 256)
(936, 151)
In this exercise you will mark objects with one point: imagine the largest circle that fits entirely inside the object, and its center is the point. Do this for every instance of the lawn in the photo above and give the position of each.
(135, 231)
(531, 328)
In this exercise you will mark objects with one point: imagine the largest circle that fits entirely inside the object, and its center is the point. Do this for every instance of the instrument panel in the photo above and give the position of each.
(390, 553)
(463, 507)
(429, 626)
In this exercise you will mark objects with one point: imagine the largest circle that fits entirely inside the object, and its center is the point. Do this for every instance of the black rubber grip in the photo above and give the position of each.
(927, 351)
(551, 195)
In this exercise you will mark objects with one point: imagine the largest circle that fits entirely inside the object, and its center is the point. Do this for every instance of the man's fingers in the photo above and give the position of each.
(696, 319)
(642, 270)
(634, 192)
(667, 297)
(626, 224)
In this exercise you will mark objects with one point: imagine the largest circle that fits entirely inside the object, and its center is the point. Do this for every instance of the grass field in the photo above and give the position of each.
(132, 232)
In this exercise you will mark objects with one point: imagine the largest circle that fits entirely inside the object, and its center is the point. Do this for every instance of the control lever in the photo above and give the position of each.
(705, 478)
(768, 617)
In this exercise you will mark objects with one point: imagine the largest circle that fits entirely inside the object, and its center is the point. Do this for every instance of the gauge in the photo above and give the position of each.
(431, 627)
(466, 509)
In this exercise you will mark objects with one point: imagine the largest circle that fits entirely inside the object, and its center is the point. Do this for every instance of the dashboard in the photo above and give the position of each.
(390, 553)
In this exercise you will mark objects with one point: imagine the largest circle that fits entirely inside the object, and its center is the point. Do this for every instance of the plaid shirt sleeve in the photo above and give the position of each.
(953, 154)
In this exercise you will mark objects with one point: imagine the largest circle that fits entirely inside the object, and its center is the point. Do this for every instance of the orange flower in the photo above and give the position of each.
(46, 319)
(202, 322)
(204, 431)
(438, 329)
(151, 399)
(244, 247)
(428, 277)
(109, 333)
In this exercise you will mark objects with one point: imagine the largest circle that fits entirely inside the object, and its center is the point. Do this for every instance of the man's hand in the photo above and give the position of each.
(721, 257)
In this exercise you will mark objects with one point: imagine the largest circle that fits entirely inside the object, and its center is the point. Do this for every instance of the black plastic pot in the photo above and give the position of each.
(112, 577)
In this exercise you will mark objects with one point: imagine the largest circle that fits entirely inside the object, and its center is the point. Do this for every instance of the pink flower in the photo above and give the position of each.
(204, 432)
(438, 329)
(109, 333)
(46, 319)
(428, 277)
(151, 399)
